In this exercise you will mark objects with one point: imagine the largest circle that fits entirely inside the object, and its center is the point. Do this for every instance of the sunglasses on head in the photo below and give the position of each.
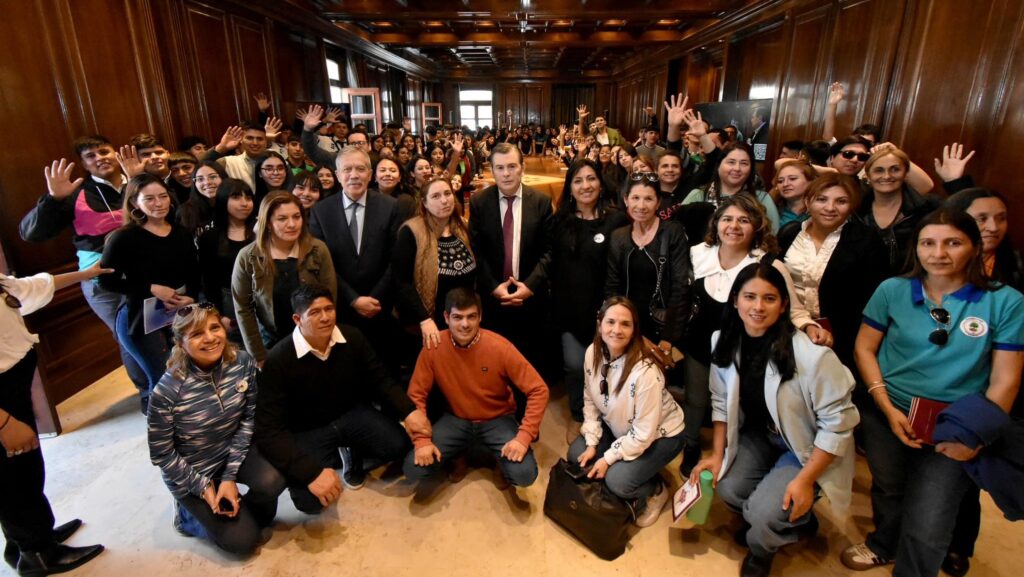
(940, 335)
(638, 176)
(850, 154)
(189, 309)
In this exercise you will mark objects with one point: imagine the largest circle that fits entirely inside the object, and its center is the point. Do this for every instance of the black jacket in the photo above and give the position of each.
(857, 266)
(676, 274)
(50, 216)
(367, 273)
(485, 234)
(897, 237)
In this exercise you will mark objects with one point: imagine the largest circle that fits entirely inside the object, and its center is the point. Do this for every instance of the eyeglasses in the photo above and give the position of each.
(940, 335)
(850, 154)
(189, 309)
(638, 176)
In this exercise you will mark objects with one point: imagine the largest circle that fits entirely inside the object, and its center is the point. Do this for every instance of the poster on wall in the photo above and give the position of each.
(748, 117)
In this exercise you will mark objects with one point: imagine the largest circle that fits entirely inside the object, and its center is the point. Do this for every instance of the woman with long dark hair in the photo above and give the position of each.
(391, 180)
(944, 333)
(632, 426)
(200, 435)
(267, 271)
(234, 220)
(581, 234)
(196, 214)
(271, 174)
(735, 174)
(328, 181)
(783, 417)
(305, 186)
(154, 260)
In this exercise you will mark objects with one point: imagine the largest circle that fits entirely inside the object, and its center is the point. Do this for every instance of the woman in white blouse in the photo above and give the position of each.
(739, 234)
(632, 428)
(836, 262)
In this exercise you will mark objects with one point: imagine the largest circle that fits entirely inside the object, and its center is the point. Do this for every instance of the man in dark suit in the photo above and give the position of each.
(359, 227)
(508, 230)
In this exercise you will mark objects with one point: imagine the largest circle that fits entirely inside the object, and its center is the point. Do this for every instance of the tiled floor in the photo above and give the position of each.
(99, 470)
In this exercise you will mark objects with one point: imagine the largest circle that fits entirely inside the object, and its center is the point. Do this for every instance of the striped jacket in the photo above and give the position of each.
(200, 428)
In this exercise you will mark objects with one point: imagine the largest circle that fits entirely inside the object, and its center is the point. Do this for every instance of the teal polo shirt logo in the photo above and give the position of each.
(974, 327)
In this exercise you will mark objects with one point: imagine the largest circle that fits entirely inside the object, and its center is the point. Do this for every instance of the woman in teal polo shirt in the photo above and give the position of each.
(941, 333)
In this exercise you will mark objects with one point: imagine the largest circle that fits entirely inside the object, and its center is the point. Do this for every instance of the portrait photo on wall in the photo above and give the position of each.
(743, 120)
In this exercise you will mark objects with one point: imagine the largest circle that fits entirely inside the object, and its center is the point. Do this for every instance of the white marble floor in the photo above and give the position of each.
(99, 470)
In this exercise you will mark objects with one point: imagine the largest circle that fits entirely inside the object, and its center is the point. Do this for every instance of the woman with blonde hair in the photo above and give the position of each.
(283, 256)
(432, 256)
(200, 432)
(791, 181)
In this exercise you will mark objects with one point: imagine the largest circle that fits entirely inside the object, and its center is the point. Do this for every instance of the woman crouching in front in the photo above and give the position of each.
(200, 430)
(783, 419)
(631, 424)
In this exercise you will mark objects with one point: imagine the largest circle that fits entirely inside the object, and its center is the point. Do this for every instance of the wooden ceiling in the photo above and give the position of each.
(538, 38)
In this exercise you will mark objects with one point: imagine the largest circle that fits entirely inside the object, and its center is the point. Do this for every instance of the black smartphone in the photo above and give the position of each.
(225, 505)
(575, 470)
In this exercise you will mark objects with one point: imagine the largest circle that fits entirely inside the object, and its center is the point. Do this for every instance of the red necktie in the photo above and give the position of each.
(508, 230)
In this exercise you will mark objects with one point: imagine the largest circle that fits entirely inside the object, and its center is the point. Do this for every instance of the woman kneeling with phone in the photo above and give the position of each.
(783, 419)
(200, 431)
(631, 424)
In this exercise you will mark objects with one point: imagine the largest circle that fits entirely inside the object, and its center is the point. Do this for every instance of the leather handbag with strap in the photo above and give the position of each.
(586, 508)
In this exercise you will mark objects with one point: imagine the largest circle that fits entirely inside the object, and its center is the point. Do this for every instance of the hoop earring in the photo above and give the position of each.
(139, 216)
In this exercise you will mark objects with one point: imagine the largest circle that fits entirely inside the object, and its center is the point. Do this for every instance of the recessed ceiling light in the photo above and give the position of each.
(382, 24)
(485, 24)
(668, 22)
(562, 23)
(433, 23)
(614, 22)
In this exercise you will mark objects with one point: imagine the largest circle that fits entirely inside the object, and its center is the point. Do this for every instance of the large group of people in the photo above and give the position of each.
(289, 306)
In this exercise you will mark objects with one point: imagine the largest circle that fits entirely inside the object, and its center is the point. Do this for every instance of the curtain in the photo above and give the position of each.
(566, 97)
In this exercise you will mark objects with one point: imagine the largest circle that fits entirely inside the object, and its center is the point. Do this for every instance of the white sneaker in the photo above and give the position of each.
(860, 557)
(655, 503)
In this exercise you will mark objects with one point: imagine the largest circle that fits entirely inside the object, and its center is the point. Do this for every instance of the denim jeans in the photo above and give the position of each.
(240, 535)
(698, 396)
(150, 351)
(453, 435)
(363, 429)
(636, 479)
(915, 497)
(754, 486)
(573, 355)
(105, 304)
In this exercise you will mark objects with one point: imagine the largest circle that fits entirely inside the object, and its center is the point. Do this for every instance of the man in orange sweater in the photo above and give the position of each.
(474, 369)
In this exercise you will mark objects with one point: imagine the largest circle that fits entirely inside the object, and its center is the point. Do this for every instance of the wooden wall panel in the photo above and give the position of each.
(701, 79)
(755, 63)
(801, 103)
(254, 64)
(216, 79)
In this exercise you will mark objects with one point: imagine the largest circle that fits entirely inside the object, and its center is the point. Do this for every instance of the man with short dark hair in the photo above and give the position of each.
(650, 145)
(194, 145)
(151, 152)
(603, 134)
(254, 141)
(182, 165)
(476, 369)
(315, 410)
(296, 157)
(92, 208)
(791, 149)
(508, 230)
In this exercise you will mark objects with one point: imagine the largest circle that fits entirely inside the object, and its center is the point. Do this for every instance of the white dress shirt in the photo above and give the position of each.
(15, 340)
(360, 214)
(302, 346)
(806, 264)
(517, 215)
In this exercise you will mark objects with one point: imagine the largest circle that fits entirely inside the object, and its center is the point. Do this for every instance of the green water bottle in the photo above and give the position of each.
(698, 513)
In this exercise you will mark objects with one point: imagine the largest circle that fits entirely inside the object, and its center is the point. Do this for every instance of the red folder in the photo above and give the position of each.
(924, 413)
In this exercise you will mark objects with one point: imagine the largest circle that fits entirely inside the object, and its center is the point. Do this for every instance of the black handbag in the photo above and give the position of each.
(587, 509)
(659, 314)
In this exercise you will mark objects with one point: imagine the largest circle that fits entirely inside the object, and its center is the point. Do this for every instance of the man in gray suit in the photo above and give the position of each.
(359, 227)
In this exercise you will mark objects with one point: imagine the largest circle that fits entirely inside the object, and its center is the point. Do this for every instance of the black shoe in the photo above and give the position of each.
(756, 566)
(60, 534)
(956, 565)
(352, 475)
(58, 559)
(691, 456)
(740, 536)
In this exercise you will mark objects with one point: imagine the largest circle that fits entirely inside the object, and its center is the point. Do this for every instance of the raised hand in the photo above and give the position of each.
(457, 142)
(675, 106)
(648, 110)
(836, 93)
(581, 111)
(333, 114)
(562, 129)
(128, 158)
(696, 123)
(58, 179)
(272, 127)
(883, 147)
(953, 163)
(311, 118)
(230, 140)
(262, 101)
